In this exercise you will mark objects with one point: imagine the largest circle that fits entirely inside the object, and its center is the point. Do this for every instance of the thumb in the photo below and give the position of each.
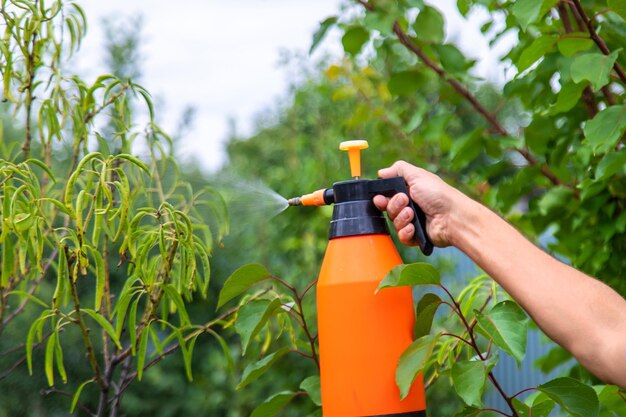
(398, 169)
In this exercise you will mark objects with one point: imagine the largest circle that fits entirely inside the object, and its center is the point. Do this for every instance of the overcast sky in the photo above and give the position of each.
(222, 56)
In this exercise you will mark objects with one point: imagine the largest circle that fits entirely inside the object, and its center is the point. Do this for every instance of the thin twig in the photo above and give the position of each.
(523, 391)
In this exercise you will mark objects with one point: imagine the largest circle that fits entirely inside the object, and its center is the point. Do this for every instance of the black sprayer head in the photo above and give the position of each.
(354, 212)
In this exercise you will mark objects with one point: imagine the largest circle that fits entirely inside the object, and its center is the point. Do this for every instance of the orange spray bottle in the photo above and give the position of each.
(362, 333)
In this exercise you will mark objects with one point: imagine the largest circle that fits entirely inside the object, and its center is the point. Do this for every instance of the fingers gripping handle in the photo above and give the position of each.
(392, 186)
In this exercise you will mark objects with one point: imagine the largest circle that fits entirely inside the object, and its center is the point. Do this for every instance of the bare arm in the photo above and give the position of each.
(580, 313)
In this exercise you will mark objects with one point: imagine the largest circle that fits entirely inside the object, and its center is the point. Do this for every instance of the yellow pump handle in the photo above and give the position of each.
(354, 153)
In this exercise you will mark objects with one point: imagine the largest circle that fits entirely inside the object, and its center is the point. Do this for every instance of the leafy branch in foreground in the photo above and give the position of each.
(265, 316)
(465, 350)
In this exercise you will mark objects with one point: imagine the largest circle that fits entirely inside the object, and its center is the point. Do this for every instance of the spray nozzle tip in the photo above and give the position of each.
(296, 201)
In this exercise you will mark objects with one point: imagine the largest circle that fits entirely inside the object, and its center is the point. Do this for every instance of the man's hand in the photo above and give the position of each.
(439, 201)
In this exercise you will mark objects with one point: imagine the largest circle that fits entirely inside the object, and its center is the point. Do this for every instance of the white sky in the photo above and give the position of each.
(221, 56)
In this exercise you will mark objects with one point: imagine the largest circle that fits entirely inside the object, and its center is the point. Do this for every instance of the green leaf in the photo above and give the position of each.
(419, 273)
(424, 314)
(320, 34)
(593, 67)
(311, 385)
(469, 378)
(477, 412)
(100, 277)
(379, 20)
(412, 362)
(251, 318)
(173, 295)
(568, 97)
(506, 325)
(429, 25)
(463, 6)
(572, 43)
(619, 7)
(77, 394)
(536, 50)
(141, 351)
(255, 370)
(225, 349)
(58, 357)
(611, 164)
(576, 398)
(452, 59)
(240, 280)
(354, 39)
(528, 11)
(275, 403)
(606, 128)
(132, 327)
(121, 308)
(541, 405)
(554, 200)
(611, 399)
(30, 297)
(49, 358)
(104, 323)
(35, 328)
(405, 82)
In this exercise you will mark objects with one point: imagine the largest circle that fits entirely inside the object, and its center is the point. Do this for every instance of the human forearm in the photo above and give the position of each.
(578, 312)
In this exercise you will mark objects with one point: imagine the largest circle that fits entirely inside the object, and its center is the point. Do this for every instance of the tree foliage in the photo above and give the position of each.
(99, 247)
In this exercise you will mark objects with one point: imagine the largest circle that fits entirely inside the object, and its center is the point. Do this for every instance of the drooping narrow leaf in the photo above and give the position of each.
(105, 324)
(100, 277)
(58, 350)
(49, 358)
(171, 292)
(77, 394)
(132, 325)
(30, 297)
(35, 328)
(225, 349)
(141, 352)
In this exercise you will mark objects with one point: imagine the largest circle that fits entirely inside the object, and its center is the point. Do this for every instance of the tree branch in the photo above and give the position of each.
(29, 95)
(85, 331)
